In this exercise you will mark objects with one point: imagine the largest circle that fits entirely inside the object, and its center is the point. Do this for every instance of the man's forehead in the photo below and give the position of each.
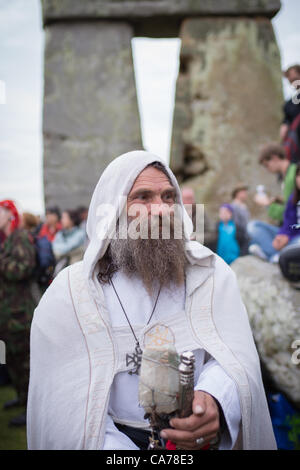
(151, 177)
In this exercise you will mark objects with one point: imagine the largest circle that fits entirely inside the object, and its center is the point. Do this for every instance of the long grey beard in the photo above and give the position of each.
(155, 261)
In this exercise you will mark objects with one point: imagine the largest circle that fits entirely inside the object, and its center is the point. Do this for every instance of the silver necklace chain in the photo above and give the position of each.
(136, 357)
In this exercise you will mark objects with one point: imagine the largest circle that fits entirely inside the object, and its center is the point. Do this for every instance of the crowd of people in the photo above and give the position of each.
(33, 252)
(237, 233)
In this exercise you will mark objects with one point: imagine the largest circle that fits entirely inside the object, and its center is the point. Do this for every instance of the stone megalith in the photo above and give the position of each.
(228, 98)
(90, 106)
(274, 315)
(228, 103)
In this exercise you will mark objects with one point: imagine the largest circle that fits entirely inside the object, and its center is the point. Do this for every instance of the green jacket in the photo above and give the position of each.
(276, 210)
(17, 264)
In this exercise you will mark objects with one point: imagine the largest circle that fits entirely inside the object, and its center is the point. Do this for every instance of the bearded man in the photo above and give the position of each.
(130, 293)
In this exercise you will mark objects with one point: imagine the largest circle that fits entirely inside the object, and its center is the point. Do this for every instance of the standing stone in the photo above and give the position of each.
(228, 96)
(228, 103)
(90, 106)
(274, 314)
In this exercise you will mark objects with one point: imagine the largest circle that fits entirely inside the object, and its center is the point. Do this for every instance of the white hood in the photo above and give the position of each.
(116, 181)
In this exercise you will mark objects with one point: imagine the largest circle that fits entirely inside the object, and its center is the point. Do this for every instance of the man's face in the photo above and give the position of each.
(293, 76)
(153, 191)
(66, 221)
(155, 258)
(5, 216)
(242, 195)
(272, 165)
(188, 196)
(84, 215)
(225, 214)
(51, 218)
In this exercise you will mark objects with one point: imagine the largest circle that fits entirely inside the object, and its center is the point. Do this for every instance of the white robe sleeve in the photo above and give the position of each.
(214, 380)
(59, 373)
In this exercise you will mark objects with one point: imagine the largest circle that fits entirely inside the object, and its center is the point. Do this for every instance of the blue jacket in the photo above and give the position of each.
(227, 247)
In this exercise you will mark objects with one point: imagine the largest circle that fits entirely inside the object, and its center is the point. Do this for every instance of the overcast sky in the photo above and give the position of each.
(21, 90)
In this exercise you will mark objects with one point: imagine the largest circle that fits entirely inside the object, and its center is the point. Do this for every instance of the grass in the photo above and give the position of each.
(11, 437)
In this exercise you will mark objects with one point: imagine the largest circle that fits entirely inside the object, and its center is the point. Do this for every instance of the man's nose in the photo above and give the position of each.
(158, 207)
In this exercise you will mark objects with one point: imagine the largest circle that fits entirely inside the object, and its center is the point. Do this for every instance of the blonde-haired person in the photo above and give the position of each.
(30, 222)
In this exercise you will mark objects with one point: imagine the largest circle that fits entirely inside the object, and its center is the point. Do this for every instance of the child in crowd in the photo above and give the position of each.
(227, 245)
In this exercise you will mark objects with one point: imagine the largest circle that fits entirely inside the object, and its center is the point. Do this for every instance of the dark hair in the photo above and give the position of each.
(159, 166)
(82, 209)
(296, 195)
(82, 212)
(237, 189)
(106, 267)
(269, 150)
(74, 216)
(54, 210)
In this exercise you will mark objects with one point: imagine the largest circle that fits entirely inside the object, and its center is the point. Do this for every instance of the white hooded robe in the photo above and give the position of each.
(62, 378)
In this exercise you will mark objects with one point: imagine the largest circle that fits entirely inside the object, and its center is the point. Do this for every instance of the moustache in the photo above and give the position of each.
(155, 226)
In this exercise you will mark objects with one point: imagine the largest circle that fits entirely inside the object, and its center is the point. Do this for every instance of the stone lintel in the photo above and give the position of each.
(68, 10)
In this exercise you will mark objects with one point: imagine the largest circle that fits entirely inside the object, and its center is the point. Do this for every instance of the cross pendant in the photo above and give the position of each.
(135, 359)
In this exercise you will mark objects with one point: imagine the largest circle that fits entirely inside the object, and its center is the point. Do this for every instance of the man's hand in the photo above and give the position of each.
(203, 423)
(280, 241)
(262, 200)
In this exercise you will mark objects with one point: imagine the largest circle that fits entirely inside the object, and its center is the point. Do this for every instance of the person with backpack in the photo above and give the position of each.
(45, 262)
(52, 223)
(17, 302)
(45, 259)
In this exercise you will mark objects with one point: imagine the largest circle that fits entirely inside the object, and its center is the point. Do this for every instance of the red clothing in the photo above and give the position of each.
(15, 217)
(50, 234)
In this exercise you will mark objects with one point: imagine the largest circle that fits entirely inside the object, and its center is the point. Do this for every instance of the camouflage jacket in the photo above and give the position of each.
(17, 264)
